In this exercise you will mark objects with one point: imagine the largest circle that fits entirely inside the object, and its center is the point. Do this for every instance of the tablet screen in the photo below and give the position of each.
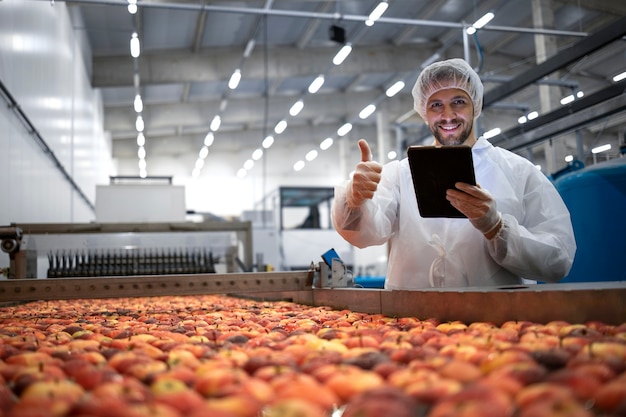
(436, 169)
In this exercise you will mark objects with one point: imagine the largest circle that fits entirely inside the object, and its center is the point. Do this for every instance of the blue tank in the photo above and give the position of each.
(596, 199)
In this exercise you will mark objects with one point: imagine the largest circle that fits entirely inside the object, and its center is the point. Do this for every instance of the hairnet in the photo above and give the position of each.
(452, 73)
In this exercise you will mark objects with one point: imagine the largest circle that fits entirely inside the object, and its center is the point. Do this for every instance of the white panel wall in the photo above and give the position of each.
(42, 65)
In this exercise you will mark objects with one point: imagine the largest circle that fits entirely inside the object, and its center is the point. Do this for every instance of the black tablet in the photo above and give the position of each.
(436, 169)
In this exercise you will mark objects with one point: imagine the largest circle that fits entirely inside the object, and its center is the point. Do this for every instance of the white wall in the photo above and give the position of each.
(42, 65)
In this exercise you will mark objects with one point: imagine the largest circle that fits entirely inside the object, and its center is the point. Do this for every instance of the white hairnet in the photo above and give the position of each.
(452, 73)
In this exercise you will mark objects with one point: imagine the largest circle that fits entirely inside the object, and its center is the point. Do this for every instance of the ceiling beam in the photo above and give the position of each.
(586, 46)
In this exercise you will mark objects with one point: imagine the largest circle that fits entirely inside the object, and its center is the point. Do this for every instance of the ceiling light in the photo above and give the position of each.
(138, 104)
(568, 99)
(619, 77)
(204, 152)
(132, 6)
(395, 89)
(248, 164)
(141, 152)
(296, 108)
(241, 173)
(480, 23)
(208, 139)
(533, 115)
(311, 155)
(234, 79)
(343, 130)
(491, 133)
(267, 142)
(134, 46)
(195, 173)
(522, 120)
(257, 154)
(142, 164)
(569, 158)
(298, 166)
(342, 54)
(601, 148)
(367, 111)
(141, 139)
(377, 13)
(249, 48)
(199, 163)
(143, 173)
(392, 155)
(316, 84)
(326, 143)
(139, 124)
(215, 123)
(280, 127)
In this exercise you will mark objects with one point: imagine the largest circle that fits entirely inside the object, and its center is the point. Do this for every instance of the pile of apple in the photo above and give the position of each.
(218, 356)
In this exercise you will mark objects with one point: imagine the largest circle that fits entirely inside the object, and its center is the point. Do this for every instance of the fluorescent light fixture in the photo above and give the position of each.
(296, 108)
(132, 6)
(143, 173)
(142, 164)
(234, 79)
(135, 50)
(267, 142)
(569, 158)
(343, 130)
(316, 84)
(208, 139)
(376, 13)
(195, 173)
(215, 123)
(199, 163)
(491, 133)
(342, 54)
(579, 94)
(249, 48)
(204, 152)
(141, 139)
(568, 99)
(139, 124)
(241, 173)
(532, 115)
(619, 77)
(248, 164)
(394, 89)
(280, 127)
(601, 148)
(326, 143)
(298, 166)
(480, 23)
(141, 152)
(257, 154)
(522, 120)
(311, 155)
(367, 111)
(138, 104)
(392, 155)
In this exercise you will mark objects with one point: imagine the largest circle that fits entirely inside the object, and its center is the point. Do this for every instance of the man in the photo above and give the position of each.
(517, 225)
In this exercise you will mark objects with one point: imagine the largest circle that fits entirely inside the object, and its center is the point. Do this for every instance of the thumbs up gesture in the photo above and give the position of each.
(365, 179)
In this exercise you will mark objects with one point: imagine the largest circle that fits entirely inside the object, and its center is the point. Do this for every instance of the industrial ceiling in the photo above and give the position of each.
(190, 49)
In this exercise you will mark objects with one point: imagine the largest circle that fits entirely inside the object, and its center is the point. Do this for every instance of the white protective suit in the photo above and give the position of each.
(536, 241)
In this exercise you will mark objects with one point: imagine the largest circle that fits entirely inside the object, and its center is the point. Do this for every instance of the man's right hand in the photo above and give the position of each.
(365, 179)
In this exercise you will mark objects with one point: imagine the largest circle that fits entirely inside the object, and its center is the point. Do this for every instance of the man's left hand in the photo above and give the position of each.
(478, 205)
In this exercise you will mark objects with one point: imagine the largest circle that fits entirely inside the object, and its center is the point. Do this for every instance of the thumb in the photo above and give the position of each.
(366, 154)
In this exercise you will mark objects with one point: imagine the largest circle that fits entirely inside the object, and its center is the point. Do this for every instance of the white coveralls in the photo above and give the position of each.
(536, 241)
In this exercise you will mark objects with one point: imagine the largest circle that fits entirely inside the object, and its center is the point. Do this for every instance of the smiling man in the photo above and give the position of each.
(517, 225)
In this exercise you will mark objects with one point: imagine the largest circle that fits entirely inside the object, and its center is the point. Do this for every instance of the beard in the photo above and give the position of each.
(447, 140)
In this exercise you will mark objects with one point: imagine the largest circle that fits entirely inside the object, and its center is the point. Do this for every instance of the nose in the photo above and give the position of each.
(448, 112)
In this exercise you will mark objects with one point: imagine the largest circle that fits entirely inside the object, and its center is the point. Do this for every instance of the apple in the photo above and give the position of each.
(294, 407)
(176, 394)
(384, 401)
(555, 408)
(611, 397)
(583, 384)
(472, 401)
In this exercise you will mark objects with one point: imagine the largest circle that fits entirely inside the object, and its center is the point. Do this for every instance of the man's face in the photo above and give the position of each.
(450, 116)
